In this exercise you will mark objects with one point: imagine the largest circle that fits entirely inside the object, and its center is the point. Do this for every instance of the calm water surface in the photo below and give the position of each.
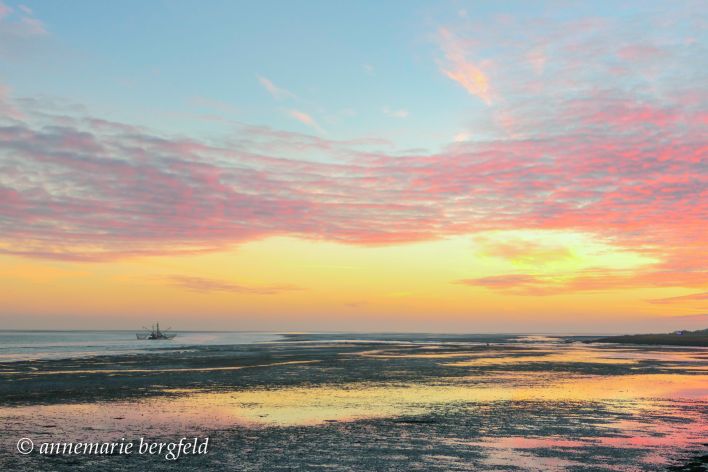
(34, 345)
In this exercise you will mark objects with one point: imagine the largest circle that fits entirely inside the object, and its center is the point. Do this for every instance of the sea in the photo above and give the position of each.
(38, 345)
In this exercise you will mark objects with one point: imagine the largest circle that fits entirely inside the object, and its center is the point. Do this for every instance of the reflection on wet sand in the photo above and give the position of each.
(499, 355)
(587, 356)
(315, 405)
(294, 406)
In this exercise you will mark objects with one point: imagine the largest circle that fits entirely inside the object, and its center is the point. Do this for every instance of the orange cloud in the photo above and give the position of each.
(207, 285)
(503, 282)
(593, 280)
(683, 298)
(466, 73)
(527, 252)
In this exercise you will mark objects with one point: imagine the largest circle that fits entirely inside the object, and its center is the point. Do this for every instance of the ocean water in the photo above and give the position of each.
(19, 345)
(35, 345)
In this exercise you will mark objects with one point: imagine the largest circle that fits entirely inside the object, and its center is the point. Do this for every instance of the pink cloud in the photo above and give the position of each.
(90, 189)
(4, 10)
(274, 90)
(639, 52)
(306, 119)
(33, 26)
(537, 58)
(20, 25)
(393, 113)
(7, 108)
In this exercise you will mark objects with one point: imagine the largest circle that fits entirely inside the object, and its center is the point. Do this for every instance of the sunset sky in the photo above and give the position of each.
(362, 165)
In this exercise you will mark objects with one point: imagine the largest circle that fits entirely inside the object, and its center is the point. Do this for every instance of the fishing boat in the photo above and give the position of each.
(154, 333)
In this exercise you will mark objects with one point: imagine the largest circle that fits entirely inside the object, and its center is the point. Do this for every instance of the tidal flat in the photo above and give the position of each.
(370, 402)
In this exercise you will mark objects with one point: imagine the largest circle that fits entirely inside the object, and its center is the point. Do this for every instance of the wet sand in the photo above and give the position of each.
(691, 338)
(354, 402)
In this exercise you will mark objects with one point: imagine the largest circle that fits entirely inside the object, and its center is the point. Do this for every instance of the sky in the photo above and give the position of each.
(358, 165)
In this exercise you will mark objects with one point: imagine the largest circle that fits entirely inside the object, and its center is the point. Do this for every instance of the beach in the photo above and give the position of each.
(368, 402)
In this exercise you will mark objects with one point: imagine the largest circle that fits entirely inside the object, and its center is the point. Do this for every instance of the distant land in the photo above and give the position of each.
(677, 338)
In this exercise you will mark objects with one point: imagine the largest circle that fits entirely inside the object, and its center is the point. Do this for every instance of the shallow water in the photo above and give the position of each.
(35, 345)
